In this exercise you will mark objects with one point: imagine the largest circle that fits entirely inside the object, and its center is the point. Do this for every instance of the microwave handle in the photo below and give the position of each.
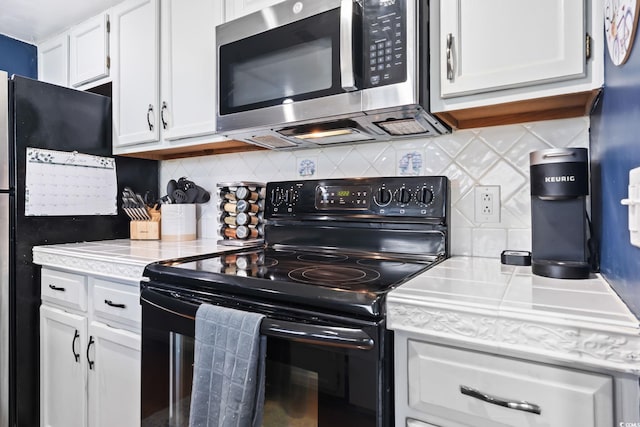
(347, 78)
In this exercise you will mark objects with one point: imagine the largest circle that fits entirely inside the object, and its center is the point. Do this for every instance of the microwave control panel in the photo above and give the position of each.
(384, 42)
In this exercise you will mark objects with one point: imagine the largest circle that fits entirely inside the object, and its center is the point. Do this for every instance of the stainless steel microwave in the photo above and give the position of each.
(314, 72)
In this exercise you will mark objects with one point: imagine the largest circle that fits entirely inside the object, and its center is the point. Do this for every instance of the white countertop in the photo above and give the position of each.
(480, 302)
(121, 259)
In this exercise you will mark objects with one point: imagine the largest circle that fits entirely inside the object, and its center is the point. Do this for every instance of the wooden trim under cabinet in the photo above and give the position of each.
(553, 107)
(206, 149)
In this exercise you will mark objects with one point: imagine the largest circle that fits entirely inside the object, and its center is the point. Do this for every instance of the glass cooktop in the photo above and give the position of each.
(343, 281)
(330, 269)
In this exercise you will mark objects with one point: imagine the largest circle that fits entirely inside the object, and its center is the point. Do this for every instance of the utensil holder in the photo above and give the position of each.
(146, 230)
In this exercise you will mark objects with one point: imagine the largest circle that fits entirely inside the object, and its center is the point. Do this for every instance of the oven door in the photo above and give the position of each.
(316, 374)
(290, 62)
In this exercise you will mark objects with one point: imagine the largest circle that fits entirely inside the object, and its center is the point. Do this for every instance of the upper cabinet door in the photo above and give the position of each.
(188, 68)
(497, 44)
(236, 8)
(135, 51)
(53, 60)
(89, 51)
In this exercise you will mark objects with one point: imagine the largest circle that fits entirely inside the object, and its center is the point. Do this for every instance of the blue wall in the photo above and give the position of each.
(17, 57)
(615, 148)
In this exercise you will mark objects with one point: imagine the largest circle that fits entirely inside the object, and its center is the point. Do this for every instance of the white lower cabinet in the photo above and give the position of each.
(454, 387)
(113, 375)
(63, 368)
(90, 346)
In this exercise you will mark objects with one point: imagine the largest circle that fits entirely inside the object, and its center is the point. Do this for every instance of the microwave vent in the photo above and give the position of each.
(270, 141)
(403, 127)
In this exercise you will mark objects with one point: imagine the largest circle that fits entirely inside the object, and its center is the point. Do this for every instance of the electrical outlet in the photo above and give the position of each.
(487, 203)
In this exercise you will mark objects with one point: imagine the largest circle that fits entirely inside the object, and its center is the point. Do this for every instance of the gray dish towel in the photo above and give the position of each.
(228, 372)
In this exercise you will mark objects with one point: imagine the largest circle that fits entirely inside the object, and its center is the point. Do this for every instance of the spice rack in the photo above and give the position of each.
(241, 205)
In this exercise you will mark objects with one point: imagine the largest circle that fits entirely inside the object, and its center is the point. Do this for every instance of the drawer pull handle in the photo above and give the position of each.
(73, 346)
(91, 362)
(518, 405)
(57, 288)
(112, 304)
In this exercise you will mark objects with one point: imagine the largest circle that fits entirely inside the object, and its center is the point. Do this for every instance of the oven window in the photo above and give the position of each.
(291, 397)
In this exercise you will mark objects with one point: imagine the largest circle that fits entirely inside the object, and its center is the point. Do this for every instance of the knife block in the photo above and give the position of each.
(146, 230)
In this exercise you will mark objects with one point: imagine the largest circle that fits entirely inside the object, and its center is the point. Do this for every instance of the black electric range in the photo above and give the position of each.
(338, 245)
(333, 249)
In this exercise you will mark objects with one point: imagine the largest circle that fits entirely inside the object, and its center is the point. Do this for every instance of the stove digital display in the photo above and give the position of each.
(351, 197)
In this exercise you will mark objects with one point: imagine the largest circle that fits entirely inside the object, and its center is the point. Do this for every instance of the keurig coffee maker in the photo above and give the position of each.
(559, 187)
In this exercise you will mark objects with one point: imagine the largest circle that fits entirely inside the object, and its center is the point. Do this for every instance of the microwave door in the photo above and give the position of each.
(291, 67)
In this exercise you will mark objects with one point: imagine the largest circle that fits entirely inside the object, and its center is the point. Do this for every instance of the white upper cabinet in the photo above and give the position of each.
(236, 8)
(89, 51)
(164, 74)
(496, 44)
(53, 60)
(504, 61)
(135, 49)
(187, 68)
(79, 57)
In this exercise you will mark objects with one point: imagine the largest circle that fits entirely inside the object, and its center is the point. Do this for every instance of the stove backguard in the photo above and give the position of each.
(394, 215)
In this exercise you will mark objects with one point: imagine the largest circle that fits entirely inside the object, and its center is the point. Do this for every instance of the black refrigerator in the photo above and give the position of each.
(40, 115)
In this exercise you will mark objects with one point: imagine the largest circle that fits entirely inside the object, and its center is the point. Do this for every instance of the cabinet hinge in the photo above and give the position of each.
(108, 25)
(108, 62)
(587, 47)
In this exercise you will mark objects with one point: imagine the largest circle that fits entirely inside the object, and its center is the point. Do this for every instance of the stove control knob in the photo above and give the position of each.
(424, 196)
(276, 196)
(403, 196)
(289, 196)
(382, 197)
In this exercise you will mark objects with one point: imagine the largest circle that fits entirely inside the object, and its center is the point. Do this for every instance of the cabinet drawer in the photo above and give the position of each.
(62, 288)
(455, 384)
(116, 301)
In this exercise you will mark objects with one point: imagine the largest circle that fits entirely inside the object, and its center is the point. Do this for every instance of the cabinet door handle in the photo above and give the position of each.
(520, 405)
(57, 288)
(88, 347)
(162, 110)
(112, 304)
(149, 112)
(449, 56)
(73, 346)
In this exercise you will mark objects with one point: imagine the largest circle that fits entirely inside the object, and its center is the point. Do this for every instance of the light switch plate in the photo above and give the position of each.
(633, 201)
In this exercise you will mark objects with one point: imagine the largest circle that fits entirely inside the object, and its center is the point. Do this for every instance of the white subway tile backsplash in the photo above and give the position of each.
(488, 156)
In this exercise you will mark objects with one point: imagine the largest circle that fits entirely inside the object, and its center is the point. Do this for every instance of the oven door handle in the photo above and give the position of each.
(352, 338)
(317, 334)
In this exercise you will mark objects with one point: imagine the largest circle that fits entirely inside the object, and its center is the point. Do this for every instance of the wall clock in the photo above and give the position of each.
(620, 22)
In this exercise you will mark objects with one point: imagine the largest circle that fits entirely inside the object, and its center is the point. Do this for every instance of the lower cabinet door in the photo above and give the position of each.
(113, 376)
(63, 397)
